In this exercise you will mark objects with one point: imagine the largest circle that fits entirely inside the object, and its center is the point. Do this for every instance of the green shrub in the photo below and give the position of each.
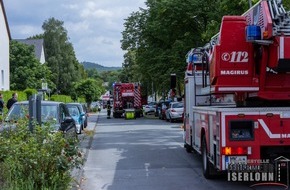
(61, 98)
(40, 160)
(29, 92)
(94, 109)
(8, 94)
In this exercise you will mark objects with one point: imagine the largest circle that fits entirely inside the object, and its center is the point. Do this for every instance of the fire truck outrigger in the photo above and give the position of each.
(237, 96)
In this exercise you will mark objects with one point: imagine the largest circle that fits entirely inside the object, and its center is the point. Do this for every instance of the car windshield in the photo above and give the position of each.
(19, 111)
(178, 105)
(48, 112)
(151, 103)
(73, 110)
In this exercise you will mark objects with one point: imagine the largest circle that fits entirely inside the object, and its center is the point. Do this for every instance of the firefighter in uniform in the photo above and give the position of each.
(108, 110)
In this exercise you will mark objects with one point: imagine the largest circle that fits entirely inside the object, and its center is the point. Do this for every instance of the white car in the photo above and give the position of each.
(174, 111)
(150, 108)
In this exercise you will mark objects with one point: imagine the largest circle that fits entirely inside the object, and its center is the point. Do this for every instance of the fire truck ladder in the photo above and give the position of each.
(281, 18)
(202, 93)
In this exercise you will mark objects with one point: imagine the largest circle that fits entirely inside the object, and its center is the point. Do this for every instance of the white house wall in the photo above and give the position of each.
(42, 57)
(4, 54)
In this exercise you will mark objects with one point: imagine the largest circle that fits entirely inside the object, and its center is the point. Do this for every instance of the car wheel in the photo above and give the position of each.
(171, 120)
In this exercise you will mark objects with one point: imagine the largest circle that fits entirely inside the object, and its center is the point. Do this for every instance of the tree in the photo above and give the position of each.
(26, 70)
(60, 56)
(93, 73)
(90, 89)
(156, 39)
(110, 77)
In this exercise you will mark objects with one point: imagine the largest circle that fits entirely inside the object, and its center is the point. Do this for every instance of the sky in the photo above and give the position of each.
(94, 26)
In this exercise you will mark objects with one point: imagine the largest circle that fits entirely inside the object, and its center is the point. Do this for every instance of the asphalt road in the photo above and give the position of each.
(141, 154)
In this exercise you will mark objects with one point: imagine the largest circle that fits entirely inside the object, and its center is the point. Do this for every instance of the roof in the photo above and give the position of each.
(5, 18)
(73, 103)
(42, 102)
(37, 43)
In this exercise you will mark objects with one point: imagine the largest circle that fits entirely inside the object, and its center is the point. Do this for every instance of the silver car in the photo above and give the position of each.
(174, 111)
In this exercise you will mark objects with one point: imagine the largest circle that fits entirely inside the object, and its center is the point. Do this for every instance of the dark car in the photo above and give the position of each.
(55, 113)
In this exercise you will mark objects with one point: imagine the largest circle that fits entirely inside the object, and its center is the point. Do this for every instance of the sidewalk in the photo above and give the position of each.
(86, 139)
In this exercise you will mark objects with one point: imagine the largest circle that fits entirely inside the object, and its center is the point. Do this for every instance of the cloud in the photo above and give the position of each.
(94, 26)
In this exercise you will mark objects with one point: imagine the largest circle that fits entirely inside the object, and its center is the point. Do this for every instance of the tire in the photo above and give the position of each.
(171, 120)
(187, 148)
(207, 167)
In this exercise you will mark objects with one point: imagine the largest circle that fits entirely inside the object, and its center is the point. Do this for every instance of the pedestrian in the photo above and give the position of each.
(12, 100)
(108, 110)
(1, 103)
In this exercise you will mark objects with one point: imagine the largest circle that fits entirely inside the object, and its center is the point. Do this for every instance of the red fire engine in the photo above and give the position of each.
(126, 96)
(237, 90)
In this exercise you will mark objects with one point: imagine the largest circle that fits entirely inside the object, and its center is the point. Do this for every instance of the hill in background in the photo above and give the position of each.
(100, 68)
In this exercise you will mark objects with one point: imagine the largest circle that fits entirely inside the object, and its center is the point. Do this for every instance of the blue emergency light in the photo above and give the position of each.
(253, 32)
(189, 58)
(195, 58)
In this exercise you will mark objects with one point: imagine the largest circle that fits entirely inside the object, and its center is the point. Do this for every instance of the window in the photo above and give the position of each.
(241, 130)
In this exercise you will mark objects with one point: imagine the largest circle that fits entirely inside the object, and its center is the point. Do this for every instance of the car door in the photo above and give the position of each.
(66, 121)
(167, 111)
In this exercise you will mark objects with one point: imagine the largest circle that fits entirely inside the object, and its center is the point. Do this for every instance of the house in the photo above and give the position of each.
(38, 48)
(5, 38)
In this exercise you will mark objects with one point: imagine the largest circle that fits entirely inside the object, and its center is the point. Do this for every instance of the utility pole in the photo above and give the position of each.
(153, 96)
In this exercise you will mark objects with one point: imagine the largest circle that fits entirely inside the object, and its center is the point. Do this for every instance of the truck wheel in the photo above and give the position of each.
(206, 165)
(187, 148)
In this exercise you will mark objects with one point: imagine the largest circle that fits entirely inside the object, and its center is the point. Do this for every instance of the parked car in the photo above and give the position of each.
(150, 108)
(162, 104)
(54, 113)
(76, 110)
(175, 111)
(96, 105)
(86, 111)
(163, 108)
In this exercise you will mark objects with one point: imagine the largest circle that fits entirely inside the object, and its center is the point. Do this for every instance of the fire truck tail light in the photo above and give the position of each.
(235, 150)
(227, 151)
